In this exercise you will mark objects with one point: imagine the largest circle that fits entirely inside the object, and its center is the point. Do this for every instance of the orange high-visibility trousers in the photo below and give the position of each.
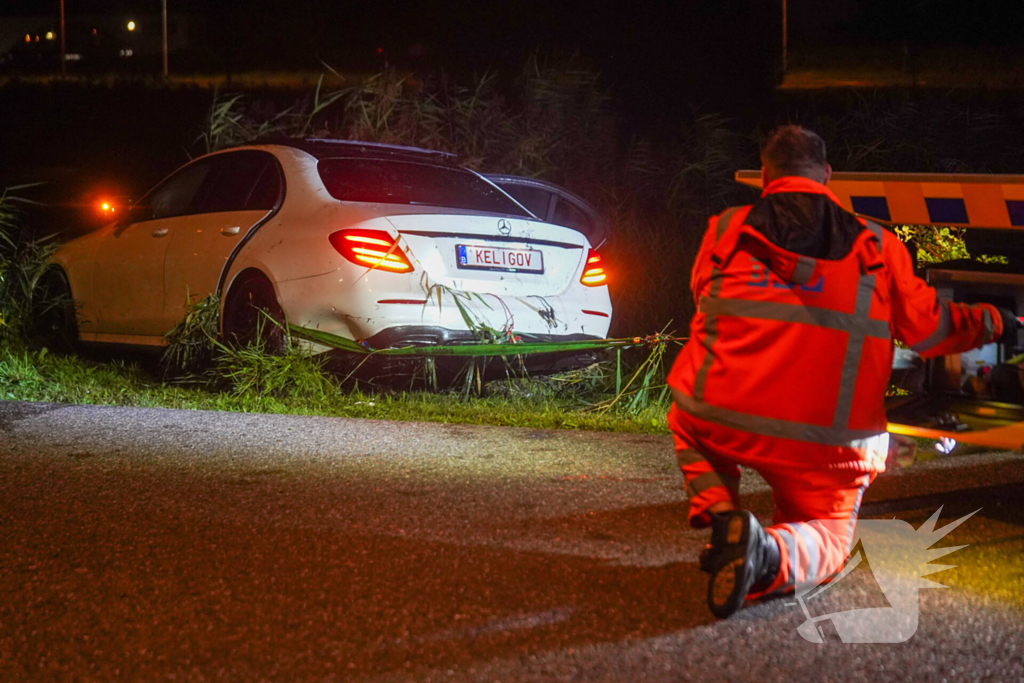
(815, 510)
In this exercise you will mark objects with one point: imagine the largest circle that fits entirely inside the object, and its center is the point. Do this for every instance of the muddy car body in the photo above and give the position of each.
(388, 245)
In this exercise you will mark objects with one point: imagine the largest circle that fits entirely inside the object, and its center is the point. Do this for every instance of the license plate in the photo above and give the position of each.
(497, 258)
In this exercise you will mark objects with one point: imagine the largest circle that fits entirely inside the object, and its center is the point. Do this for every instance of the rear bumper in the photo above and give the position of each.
(378, 303)
(490, 367)
(429, 335)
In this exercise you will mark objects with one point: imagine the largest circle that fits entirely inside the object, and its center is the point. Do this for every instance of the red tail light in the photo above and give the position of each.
(593, 272)
(371, 248)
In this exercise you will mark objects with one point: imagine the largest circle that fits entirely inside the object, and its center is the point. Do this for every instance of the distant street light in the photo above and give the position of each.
(131, 25)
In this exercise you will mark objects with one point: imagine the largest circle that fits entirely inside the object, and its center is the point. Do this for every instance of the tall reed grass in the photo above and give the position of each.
(23, 262)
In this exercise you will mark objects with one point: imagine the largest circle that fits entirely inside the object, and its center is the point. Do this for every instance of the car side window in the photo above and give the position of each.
(536, 199)
(236, 180)
(267, 191)
(174, 196)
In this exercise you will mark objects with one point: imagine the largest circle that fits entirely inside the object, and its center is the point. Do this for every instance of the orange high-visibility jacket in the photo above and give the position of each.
(789, 356)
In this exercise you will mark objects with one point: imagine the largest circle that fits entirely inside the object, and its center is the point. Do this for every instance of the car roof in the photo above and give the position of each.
(325, 148)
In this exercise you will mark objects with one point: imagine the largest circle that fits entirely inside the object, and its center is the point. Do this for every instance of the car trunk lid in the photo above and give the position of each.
(492, 254)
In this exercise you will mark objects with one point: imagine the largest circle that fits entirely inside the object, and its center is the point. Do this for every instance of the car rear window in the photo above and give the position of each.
(388, 181)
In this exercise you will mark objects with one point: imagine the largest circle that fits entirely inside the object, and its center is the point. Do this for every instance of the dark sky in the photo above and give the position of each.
(572, 21)
(618, 35)
(477, 26)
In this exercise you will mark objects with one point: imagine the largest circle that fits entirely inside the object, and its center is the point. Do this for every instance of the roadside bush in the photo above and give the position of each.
(195, 355)
(192, 343)
(253, 373)
(23, 262)
(18, 371)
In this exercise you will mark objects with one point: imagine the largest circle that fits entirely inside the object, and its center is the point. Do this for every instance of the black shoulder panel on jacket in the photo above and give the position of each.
(806, 224)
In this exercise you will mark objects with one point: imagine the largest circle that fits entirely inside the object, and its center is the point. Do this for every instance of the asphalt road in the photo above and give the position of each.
(144, 545)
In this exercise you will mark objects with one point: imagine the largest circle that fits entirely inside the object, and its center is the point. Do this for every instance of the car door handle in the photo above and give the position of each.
(160, 232)
(230, 231)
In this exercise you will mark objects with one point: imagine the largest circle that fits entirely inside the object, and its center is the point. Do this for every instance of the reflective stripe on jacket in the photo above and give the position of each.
(789, 356)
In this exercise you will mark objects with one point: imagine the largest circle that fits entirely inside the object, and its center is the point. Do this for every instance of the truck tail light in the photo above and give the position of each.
(371, 248)
(593, 271)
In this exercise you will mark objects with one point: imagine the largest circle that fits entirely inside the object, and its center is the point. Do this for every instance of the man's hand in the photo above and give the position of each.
(1011, 325)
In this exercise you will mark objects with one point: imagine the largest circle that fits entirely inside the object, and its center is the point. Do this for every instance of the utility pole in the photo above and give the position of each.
(163, 15)
(63, 46)
(784, 37)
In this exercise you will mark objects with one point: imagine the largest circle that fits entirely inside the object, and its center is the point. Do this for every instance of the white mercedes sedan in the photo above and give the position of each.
(387, 245)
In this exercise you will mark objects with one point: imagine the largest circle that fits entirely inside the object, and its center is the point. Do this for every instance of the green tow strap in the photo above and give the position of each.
(518, 349)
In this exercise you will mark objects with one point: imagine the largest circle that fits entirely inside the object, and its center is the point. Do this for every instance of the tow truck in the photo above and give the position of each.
(975, 397)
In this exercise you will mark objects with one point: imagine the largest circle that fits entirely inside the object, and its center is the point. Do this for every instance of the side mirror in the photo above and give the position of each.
(134, 213)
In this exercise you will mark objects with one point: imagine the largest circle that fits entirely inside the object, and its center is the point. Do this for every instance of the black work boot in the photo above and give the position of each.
(719, 541)
(742, 556)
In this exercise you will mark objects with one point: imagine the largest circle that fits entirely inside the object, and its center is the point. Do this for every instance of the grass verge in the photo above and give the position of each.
(30, 375)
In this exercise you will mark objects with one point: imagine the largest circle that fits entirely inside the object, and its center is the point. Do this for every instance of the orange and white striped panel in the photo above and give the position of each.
(962, 200)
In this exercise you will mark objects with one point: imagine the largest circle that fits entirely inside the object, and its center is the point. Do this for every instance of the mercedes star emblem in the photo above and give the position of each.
(504, 227)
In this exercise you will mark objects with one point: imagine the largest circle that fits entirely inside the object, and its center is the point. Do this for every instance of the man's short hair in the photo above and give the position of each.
(793, 150)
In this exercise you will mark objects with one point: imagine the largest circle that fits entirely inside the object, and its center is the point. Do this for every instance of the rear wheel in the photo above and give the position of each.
(54, 324)
(252, 315)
